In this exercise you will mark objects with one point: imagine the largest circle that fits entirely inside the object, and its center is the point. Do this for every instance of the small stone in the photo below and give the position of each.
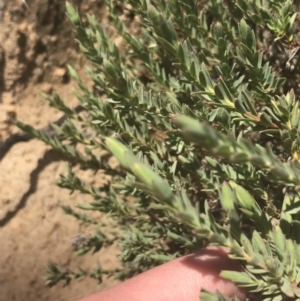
(37, 74)
(46, 88)
(81, 240)
(40, 59)
(8, 114)
(53, 39)
(23, 27)
(60, 72)
(49, 39)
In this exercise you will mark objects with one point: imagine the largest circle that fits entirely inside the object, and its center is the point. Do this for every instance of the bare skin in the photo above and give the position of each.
(178, 280)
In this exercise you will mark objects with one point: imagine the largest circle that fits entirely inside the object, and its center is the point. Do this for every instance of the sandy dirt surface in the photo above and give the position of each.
(35, 47)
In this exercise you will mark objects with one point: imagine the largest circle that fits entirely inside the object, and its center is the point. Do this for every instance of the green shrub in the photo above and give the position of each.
(201, 110)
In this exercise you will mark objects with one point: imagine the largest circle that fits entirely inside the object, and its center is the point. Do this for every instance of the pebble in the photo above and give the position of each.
(59, 72)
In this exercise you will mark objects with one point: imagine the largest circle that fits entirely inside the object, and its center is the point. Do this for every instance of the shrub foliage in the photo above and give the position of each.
(201, 110)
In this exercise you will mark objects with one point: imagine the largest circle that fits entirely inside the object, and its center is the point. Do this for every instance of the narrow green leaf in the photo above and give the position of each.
(259, 245)
(247, 201)
(227, 197)
(168, 31)
(287, 288)
(184, 54)
(279, 240)
(241, 278)
(247, 34)
(73, 14)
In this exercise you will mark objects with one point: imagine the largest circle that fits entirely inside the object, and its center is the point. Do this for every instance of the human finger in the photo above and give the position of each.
(178, 280)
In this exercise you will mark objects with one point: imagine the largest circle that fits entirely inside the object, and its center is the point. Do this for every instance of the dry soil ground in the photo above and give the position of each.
(35, 47)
